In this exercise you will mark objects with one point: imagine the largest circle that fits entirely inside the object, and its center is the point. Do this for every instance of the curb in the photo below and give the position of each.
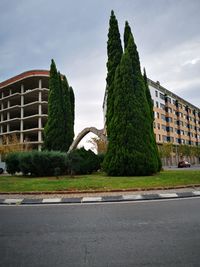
(99, 199)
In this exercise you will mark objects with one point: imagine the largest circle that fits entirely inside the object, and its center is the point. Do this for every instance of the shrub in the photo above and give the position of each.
(12, 162)
(82, 161)
(38, 163)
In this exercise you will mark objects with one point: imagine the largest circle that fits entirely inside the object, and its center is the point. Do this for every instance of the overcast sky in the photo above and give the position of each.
(74, 34)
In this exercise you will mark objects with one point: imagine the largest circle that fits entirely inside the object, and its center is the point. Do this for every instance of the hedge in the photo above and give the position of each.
(52, 163)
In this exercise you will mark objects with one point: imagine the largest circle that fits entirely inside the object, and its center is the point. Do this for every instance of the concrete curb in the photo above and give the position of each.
(99, 199)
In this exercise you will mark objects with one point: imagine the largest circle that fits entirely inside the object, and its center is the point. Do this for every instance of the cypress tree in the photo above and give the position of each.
(114, 52)
(149, 100)
(53, 131)
(120, 157)
(59, 129)
(72, 103)
(144, 121)
(68, 119)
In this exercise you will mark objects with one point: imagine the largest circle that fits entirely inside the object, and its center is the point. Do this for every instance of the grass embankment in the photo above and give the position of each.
(98, 182)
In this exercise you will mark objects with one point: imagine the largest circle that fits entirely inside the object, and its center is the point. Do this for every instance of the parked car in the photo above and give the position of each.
(184, 164)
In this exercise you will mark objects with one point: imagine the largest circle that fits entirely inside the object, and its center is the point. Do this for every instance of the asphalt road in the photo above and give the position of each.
(159, 233)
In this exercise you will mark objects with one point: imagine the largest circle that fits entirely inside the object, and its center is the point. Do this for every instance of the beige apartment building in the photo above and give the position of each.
(24, 107)
(176, 120)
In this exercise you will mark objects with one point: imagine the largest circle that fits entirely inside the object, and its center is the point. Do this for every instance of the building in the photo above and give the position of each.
(176, 120)
(24, 107)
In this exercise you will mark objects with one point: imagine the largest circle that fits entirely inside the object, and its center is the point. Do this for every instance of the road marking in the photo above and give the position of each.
(132, 197)
(51, 200)
(169, 195)
(13, 200)
(91, 199)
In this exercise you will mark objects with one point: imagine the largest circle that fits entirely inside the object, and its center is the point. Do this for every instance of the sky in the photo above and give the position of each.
(74, 34)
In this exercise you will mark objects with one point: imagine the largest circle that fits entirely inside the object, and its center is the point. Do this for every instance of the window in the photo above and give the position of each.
(157, 105)
(181, 132)
(164, 138)
(159, 137)
(162, 96)
(168, 119)
(156, 93)
(168, 99)
(163, 117)
(163, 127)
(158, 126)
(174, 102)
(170, 129)
(162, 106)
(169, 110)
(158, 116)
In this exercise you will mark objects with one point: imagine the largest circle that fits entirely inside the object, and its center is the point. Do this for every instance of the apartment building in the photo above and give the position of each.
(24, 107)
(176, 120)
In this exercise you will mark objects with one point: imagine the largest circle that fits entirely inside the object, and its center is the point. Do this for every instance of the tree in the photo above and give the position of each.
(68, 116)
(150, 103)
(114, 52)
(59, 129)
(53, 131)
(131, 147)
(142, 93)
(72, 105)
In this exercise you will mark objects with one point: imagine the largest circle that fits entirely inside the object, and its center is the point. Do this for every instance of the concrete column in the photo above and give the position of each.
(40, 84)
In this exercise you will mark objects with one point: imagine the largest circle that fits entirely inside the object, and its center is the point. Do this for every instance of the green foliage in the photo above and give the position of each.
(82, 161)
(150, 103)
(52, 163)
(132, 149)
(59, 129)
(37, 163)
(114, 52)
(68, 116)
(12, 162)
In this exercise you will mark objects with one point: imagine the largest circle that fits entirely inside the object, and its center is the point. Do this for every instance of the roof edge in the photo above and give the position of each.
(24, 75)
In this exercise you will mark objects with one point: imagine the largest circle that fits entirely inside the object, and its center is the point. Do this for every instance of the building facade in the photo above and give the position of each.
(176, 120)
(24, 107)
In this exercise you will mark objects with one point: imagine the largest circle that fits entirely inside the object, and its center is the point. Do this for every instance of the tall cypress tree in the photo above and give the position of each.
(68, 117)
(59, 129)
(114, 52)
(121, 157)
(72, 103)
(149, 100)
(144, 109)
(53, 131)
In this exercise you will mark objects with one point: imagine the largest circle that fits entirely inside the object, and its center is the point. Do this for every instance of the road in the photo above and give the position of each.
(157, 233)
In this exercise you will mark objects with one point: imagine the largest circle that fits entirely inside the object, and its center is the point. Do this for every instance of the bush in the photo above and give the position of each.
(82, 161)
(52, 163)
(12, 162)
(37, 163)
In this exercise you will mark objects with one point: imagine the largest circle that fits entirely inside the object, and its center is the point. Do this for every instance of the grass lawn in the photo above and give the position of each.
(98, 181)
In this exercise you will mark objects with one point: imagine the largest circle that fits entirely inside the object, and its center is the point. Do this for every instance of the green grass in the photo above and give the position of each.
(98, 182)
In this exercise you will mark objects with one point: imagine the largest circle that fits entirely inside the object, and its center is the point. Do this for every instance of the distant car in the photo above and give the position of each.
(184, 164)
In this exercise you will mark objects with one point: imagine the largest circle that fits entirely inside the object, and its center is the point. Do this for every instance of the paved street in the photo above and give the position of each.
(159, 233)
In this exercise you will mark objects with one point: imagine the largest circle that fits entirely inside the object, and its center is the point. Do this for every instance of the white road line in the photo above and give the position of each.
(13, 200)
(168, 195)
(129, 197)
(91, 199)
(51, 200)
